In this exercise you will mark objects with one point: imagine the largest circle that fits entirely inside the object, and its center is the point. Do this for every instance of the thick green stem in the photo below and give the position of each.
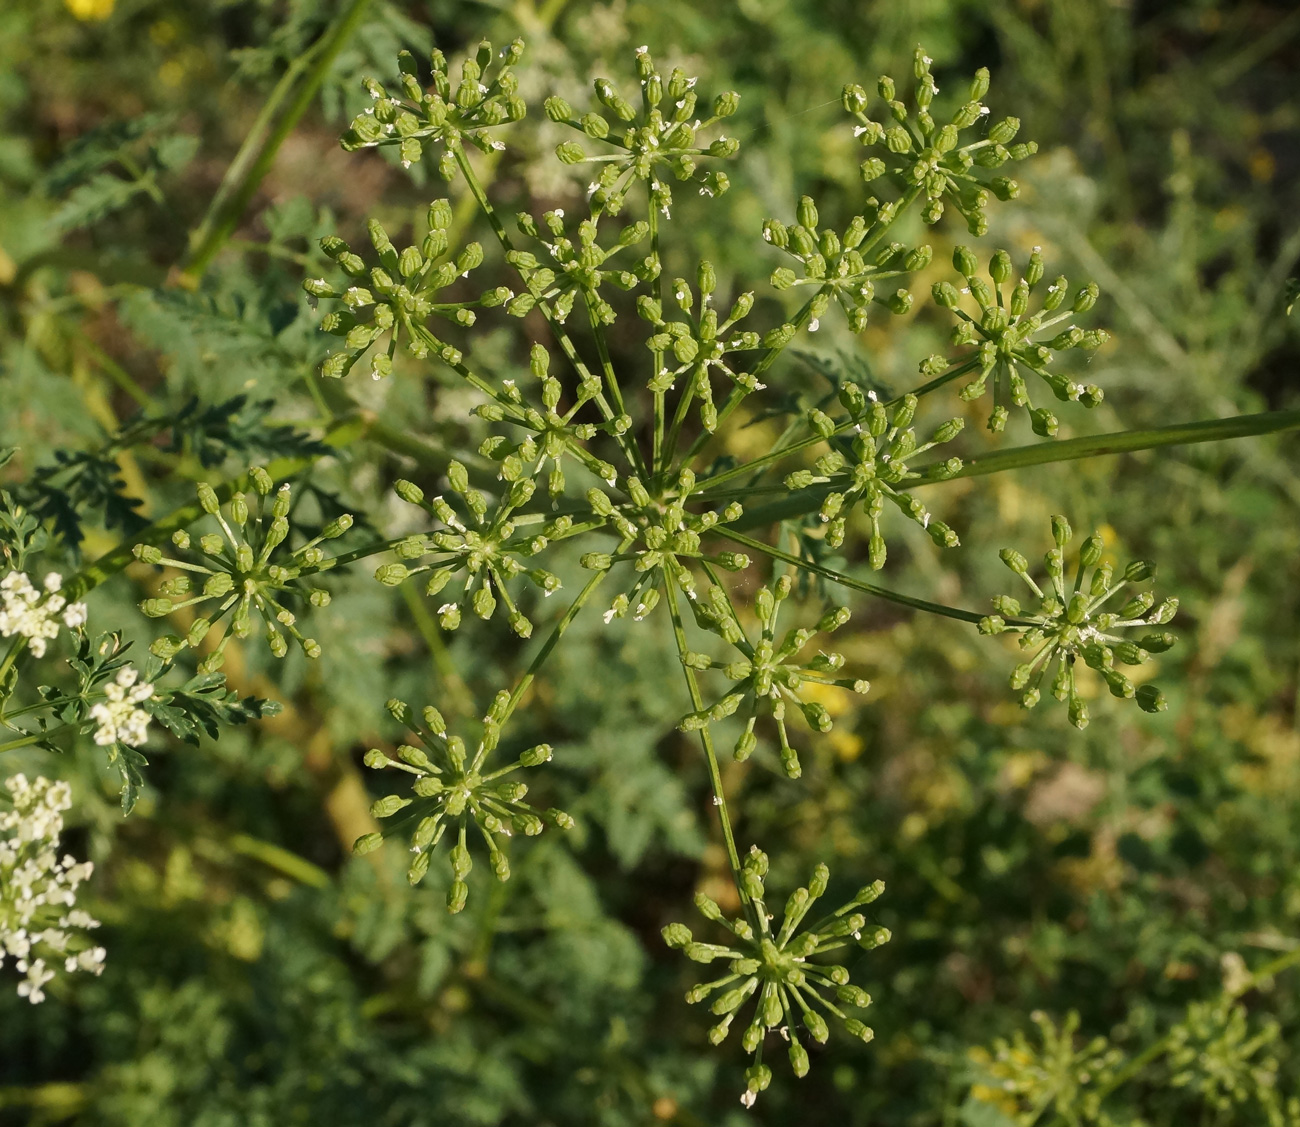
(846, 580)
(1123, 442)
(1040, 453)
(706, 738)
(230, 202)
(34, 737)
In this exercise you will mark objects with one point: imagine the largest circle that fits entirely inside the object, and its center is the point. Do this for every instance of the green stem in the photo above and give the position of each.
(738, 393)
(35, 737)
(611, 380)
(846, 580)
(1124, 441)
(55, 703)
(706, 738)
(551, 642)
(657, 356)
(801, 318)
(1040, 453)
(231, 201)
(16, 647)
(557, 330)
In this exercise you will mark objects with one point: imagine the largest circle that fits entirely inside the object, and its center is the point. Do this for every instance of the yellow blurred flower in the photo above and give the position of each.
(87, 10)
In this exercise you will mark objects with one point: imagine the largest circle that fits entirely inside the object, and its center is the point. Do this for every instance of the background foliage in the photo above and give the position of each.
(258, 974)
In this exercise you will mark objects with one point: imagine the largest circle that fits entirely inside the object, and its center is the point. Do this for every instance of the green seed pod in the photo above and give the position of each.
(854, 99)
(593, 125)
(570, 152)
(1139, 571)
(1086, 298)
(898, 140)
(419, 866)
(871, 169)
(367, 843)
(1151, 699)
(816, 1026)
(387, 806)
(557, 109)
(798, 1058)
(853, 996)
(855, 1028)
(1004, 131)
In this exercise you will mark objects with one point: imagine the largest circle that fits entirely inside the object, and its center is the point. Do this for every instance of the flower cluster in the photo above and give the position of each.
(580, 267)
(549, 435)
(700, 346)
(485, 549)
(1022, 1079)
(489, 526)
(658, 137)
(927, 159)
(118, 715)
(1071, 623)
(444, 116)
(772, 966)
(867, 468)
(39, 920)
(35, 614)
(658, 534)
(837, 265)
(766, 673)
(246, 566)
(451, 789)
(1214, 1052)
(403, 293)
(1007, 333)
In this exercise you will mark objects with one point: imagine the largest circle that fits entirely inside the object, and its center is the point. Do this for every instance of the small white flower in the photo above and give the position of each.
(118, 716)
(33, 614)
(35, 884)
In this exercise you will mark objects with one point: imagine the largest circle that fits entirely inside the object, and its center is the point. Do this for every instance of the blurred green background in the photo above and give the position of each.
(259, 975)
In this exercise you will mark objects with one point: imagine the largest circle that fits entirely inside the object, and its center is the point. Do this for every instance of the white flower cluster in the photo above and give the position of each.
(35, 614)
(38, 919)
(117, 716)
